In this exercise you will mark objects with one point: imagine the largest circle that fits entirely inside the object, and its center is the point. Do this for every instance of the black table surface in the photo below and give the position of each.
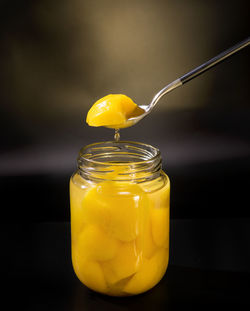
(209, 265)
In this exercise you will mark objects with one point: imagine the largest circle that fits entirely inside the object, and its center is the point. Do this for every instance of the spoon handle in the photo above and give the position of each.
(214, 61)
(198, 70)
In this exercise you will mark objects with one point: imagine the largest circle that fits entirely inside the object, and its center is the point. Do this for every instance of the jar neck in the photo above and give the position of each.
(119, 161)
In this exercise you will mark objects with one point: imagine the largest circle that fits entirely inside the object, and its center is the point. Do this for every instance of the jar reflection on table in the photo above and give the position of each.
(119, 199)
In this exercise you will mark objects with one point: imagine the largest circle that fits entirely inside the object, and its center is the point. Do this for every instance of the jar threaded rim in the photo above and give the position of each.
(96, 158)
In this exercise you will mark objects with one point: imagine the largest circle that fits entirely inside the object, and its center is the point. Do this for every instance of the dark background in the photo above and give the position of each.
(58, 57)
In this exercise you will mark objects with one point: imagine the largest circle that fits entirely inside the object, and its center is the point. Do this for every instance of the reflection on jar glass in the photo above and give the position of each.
(119, 199)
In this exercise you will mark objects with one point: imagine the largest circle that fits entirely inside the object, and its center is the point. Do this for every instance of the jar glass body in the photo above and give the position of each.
(119, 201)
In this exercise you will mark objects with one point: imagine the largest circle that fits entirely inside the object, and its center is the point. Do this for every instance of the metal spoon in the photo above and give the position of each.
(187, 77)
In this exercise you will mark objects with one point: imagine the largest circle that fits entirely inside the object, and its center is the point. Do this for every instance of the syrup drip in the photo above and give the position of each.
(117, 135)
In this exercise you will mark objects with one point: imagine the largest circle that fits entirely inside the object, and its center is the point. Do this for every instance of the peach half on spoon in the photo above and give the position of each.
(113, 111)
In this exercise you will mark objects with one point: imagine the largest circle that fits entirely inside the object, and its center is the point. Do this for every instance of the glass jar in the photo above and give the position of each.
(119, 198)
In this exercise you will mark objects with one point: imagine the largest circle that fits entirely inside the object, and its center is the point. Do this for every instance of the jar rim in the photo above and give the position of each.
(152, 156)
(134, 160)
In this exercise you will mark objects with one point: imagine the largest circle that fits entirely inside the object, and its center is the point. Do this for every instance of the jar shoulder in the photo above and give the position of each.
(156, 184)
(78, 181)
(153, 185)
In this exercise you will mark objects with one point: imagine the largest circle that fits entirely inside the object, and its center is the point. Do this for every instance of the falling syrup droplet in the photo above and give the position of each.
(117, 135)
